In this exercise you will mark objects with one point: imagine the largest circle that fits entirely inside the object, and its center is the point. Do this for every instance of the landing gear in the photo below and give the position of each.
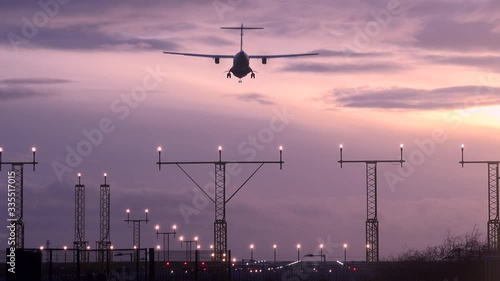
(228, 75)
(252, 76)
(239, 81)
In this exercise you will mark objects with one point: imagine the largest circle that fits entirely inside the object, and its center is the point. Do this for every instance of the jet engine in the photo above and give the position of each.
(264, 60)
(217, 60)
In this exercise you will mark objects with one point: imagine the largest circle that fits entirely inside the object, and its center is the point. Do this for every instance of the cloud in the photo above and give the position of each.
(88, 37)
(413, 99)
(16, 93)
(481, 62)
(253, 97)
(452, 35)
(347, 68)
(34, 81)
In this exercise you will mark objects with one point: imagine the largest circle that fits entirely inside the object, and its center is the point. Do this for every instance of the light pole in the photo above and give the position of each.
(251, 252)
(136, 232)
(298, 252)
(274, 248)
(321, 253)
(166, 240)
(158, 250)
(65, 248)
(212, 254)
(345, 254)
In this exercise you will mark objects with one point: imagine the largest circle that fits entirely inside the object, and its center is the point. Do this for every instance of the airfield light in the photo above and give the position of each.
(65, 248)
(281, 147)
(157, 227)
(196, 238)
(1, 149)
(128, 210)
(159, 148)
(33, 149)
(220, 148)
(174, 227)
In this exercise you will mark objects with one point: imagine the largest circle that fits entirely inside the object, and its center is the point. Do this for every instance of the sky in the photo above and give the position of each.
(88, 85)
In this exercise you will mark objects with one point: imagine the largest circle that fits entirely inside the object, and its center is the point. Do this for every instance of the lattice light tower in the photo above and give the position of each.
(189, 246)
(16, 188)
(220, 201)
(104, 243)
(136, 228)
(493, 203)
(80, 244)
(372, 231)
(166, 240)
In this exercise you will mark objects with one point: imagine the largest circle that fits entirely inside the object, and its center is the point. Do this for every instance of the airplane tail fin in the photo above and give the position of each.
(241, 28)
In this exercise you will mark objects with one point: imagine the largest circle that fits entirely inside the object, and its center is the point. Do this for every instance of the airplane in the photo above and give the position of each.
(241, 60)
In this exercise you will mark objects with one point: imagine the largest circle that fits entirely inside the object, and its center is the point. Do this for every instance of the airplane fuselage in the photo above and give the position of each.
(241, 65)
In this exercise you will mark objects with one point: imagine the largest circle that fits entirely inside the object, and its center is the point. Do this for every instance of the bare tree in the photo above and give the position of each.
(467, 247)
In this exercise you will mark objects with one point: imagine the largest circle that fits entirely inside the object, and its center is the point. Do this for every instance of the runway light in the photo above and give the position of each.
(401, 145)
(41, 248)
(174, 227)
(65, 248)
(196, 238)
(147, 211)
(281, 147)
(157, 227)
(159, 148)
(341, 146)
(111, 247)
(220, 148)
(128, 210)
(33, 149)
(79, 174)
(321, 246)
(463, 145)
(105, 174)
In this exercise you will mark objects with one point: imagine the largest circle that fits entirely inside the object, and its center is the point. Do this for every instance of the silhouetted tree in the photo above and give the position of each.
(468, 247)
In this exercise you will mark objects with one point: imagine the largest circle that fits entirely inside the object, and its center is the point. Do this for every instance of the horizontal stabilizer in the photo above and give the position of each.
(241, 27)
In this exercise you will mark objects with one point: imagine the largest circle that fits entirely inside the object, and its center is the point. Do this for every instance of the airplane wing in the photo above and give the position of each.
(201, 55)
(282, 56)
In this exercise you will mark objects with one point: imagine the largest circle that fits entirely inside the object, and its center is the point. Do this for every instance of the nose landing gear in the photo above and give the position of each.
(252, 76)
(228, 75)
